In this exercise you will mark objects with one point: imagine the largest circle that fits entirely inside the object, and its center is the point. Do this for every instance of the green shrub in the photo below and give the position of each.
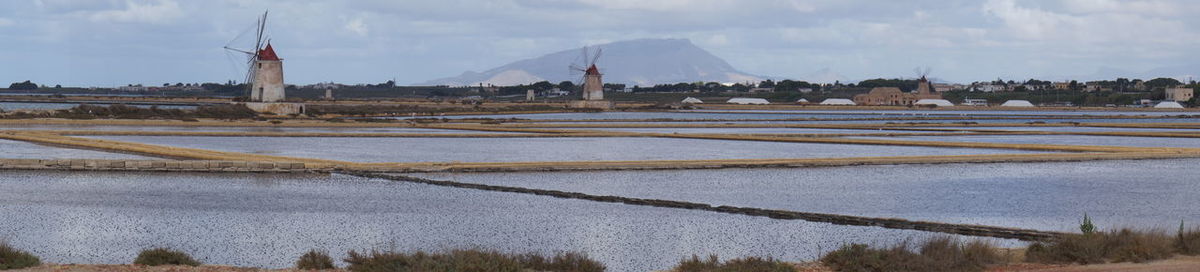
(12, 258)
(748, 264)
(938, 254)
(1087, 227)
(467, 260)
(315, 260)
(164, 256)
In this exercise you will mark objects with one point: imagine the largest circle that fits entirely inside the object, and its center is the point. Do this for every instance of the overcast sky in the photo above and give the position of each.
(115, 42)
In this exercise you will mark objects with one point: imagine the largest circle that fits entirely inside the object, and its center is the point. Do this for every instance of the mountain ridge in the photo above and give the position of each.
(641, 62)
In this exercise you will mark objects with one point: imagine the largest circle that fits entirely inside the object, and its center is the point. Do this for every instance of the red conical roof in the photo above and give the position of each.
(592, 71)
(267, 53)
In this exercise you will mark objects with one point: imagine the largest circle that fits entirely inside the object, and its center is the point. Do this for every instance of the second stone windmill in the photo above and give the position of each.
(591, 81)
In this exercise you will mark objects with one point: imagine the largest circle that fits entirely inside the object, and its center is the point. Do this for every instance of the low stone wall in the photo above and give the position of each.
(891, 223)
(276, 108)
(160, 165)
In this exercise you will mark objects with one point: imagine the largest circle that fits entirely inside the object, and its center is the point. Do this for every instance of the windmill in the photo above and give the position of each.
(923, 86)
(593, 86)
(264, 73)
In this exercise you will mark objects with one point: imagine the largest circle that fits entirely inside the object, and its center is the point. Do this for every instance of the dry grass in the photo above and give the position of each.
(468, 260)
(747, 264)
(1123, 245)
(1187, 241)
(938, 254)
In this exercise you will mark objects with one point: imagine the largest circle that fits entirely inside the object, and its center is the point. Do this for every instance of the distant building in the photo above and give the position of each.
(990, 88)
(1062, 85)
(1179, 94)
(942, 87)
(893, 95)
(762, 90)
(975, 102)
(804, 90)
(324, 85)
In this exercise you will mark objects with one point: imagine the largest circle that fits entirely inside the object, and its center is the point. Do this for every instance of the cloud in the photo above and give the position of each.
(356, 26)
(153, 12)
(6, 22)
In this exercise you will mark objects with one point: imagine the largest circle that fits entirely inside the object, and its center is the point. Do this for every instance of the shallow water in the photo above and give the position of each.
(10, 149)
(535, 149)
(742, 130)
(269, 220)
(244, 129)
(1057, 139)
(1075, 129)
(1044, 196)
(62, 106)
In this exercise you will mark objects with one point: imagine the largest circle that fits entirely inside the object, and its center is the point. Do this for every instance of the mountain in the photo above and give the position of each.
(824, 76)
(642, 62)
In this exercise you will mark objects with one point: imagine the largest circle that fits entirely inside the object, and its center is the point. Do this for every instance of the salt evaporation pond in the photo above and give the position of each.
(640, 115)
(956, 112)
(1043, 196)
(62, 106)
(10, 149)
(257, 220)
(1056, 139)
(1073, 129)
(247, 129)
(744, 130)
(535, 149)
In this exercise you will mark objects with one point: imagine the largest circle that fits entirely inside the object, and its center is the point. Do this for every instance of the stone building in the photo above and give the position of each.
(1179, 94)
(893, 95)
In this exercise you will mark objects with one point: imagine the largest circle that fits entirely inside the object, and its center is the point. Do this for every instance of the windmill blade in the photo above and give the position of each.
(576, 68)
(238, 50)
(596, 57)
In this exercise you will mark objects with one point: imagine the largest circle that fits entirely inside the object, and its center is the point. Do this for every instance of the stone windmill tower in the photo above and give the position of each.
(267, 85)
(593, 85)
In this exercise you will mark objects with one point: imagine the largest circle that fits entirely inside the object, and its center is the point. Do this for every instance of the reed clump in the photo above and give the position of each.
(937, 254)
(468, 260)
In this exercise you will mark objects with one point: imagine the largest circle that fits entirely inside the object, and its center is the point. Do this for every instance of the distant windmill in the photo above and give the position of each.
(923, 86)
(264, 73)
(593, 86)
